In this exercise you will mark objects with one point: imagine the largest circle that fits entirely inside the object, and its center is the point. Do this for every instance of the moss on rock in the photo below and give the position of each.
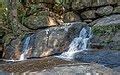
(105, 34)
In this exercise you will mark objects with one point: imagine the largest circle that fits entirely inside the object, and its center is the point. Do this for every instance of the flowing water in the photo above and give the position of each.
(78, 44)
(25, 49)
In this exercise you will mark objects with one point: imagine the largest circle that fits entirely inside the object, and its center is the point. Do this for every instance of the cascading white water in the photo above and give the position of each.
(25, 49)
(78, 44)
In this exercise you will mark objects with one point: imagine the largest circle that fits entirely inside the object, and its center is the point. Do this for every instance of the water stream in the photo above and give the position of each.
(78, 44)
(25, 49)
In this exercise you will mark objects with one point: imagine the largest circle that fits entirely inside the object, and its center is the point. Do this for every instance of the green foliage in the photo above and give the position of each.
(7, 38)
(2, 8)
(101, 30)
(105, 31)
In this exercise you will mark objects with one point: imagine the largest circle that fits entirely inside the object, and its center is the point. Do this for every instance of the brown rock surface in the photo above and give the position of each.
(55, 39)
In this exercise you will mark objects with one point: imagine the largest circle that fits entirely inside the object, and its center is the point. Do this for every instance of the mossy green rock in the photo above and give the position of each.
(106, 32)
(116, 9)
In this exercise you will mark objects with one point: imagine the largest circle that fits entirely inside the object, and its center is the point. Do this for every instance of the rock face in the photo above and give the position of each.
(71, 17)
(107, 58)
(17, 46)
(52, 36)
(12, 48)
(74, 69)
(55, 40)
(55, 66)
(106, 32)
(42, 19)
(80, 4)
(104, 11)
(50, 41)
(88, 14)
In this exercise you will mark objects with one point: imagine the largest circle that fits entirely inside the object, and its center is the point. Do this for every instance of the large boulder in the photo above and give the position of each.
(12, 49)
(108, 58)
(71, 17)
(44, 42)
(90, 14)
(106, 32)
(104, 11)
(81, 4)
(41, 19)
(16, 46)
(56, 39)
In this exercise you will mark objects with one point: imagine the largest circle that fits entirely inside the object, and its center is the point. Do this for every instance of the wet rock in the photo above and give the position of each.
(117, 69)
(12, 50)
(32, 65)
(74, 69)
(56, 39)
(104, 11)
(88, 14)
(71, 17)
(55, 66)
(40, 20)
(77, 69)
(116, 9)
(107, 58)
(4, 73)
(9, 52)
(106, 32)
(15, 48)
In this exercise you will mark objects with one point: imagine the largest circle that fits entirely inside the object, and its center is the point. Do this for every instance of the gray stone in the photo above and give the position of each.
(106, 33)
(117, 69)
(77, 69)
(116, 9)
(88, 14)
(109, 20)
(4, 73)
(42, 19)
(71, 17)
(107, 58)
(56, 39)
(81, 4)
(104, 11)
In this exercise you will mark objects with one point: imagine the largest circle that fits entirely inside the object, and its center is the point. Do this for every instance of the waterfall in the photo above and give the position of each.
(25, 48)
(78, 44)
